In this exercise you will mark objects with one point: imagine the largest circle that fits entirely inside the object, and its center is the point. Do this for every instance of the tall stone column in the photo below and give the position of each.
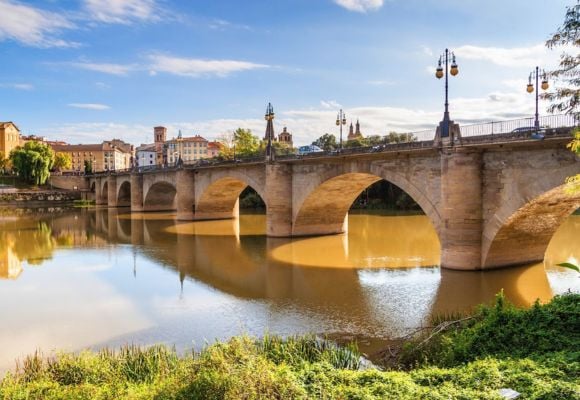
(99, 191)
(112, 191)
(461, 230)
(185, 188)
(136, 192)
(279, 200)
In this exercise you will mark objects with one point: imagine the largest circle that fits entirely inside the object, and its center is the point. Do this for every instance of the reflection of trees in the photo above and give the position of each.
(33, 245)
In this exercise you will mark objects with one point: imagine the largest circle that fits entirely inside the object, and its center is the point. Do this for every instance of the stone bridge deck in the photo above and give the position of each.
(493, 202)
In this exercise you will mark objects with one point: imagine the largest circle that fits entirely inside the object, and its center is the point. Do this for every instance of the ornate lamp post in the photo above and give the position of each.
(530, 88)
(340, 121)
(444, 125)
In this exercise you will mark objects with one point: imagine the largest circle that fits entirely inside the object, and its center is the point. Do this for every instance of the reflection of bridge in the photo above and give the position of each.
(493, 201)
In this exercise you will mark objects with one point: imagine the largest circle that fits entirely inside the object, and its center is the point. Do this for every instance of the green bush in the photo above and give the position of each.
(537, 356)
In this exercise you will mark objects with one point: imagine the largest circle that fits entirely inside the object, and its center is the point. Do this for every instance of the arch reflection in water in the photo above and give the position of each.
(235, 280)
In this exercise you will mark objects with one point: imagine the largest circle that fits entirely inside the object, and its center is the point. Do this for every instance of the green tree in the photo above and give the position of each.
(566, 96)
(247, 144)
(88, 167)
(241, 142)
(62, 161)
(394, 137)
(4, 163)
(326, 142)
(33, 162)
(356, 142)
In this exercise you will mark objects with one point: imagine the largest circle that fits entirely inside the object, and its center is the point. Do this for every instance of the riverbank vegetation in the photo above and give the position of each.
(534, 352)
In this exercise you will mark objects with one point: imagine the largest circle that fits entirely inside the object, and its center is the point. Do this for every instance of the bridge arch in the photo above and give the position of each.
(161, 196)
(325, 205)
(124, 194)
(217, 192)
(220, 198)
(526, 233)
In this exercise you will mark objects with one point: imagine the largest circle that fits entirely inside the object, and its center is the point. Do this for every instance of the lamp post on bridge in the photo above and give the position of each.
(530, 88)
(445, 58)
(340, 121)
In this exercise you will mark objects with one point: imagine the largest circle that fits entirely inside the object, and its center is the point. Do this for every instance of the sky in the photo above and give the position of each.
(84, 71)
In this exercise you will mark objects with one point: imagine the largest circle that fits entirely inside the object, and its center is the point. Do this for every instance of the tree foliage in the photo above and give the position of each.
(4, 163)
(566, 96)
(326, 142)
(241, 143)
(88, 167)
(33, 162)
(62, 161)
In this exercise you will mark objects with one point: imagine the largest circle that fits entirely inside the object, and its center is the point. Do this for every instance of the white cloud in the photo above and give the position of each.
(113, 69)
(18, 86)
(330, 104)
(90, 106)
(193, 67)
(308, 124)
(122, 11)
(32, 26)
(361, 6)
(508, 57)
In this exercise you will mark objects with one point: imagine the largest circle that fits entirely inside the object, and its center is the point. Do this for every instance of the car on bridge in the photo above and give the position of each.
(309, 149)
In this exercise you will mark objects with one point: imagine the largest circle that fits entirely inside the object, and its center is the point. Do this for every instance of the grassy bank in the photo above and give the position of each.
(534, 352)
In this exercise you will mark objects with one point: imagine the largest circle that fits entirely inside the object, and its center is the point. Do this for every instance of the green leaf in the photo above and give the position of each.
(570, 266)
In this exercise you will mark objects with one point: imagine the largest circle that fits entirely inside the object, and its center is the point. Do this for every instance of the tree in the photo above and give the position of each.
(4, 163)
(62, 161)
(33, 162)
(240, 143)
(326, 142)
(247, 145)
(566, 98)
(394, 137)
(356, 142)
(88, 167)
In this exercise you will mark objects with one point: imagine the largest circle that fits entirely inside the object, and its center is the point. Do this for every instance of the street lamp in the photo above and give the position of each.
(530, 89)
(179, 147)
(340, 121)
(444, 125)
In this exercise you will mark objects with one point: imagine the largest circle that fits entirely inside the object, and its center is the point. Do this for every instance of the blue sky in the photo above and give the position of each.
(88, 70)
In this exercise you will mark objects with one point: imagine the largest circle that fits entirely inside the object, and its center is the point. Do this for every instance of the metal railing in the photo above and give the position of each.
(487, 132)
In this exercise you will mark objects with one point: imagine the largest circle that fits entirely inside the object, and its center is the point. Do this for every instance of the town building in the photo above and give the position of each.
(188, 149)
(213, 149)
(107, 156)
(354, 134)
(145, 155)
(160, 136)
(9, 137)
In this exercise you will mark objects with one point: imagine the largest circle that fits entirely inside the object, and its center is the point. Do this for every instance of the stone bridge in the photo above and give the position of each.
(491, 204)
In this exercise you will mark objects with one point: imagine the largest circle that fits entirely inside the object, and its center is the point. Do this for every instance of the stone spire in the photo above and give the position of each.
(270, 125)
(357, 133)
(350, 130)
(270, 136)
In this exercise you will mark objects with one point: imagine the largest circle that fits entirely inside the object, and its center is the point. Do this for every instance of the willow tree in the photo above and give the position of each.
(33, 162)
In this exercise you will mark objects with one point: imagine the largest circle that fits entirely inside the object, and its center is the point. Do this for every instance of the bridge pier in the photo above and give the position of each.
(462, 225)
(185, 188)
(279, 193)
(136, 192)
(99, 191)
(112, 191)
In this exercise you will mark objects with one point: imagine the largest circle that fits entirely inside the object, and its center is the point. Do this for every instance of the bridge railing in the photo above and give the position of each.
(493, 131)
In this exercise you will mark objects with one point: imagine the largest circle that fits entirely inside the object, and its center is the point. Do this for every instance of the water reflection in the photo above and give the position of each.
(146, 278)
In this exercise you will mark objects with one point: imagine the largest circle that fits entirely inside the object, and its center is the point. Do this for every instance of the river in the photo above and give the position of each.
(88, 278)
